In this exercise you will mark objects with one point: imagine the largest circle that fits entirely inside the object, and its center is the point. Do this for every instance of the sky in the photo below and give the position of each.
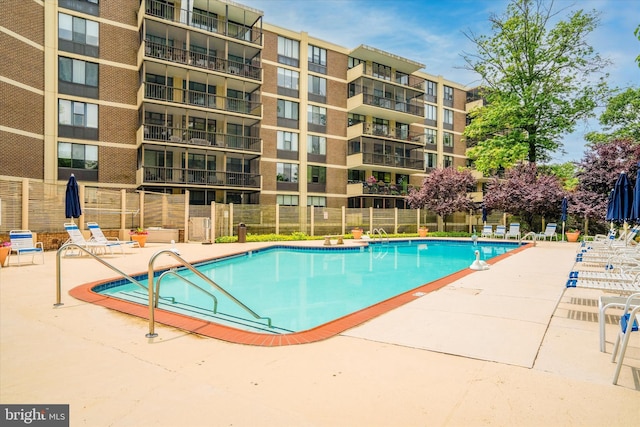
(431, 32)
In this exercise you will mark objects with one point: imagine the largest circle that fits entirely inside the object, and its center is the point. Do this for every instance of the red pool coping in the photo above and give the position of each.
(238, 336)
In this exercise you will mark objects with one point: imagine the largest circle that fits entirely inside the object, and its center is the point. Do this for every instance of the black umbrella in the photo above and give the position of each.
(72, 199)
(484, 215)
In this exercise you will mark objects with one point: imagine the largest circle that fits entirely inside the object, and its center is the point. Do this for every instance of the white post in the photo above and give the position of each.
(186, 216)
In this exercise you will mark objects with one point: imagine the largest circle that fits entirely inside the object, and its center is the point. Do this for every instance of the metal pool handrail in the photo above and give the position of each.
(83, 249)
(380, 232)
(150, 277)
(172, 272)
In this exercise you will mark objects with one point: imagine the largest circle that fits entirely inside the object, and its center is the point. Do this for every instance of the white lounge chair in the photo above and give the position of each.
(487, 231)
(501, 231)
(22, 243)
(514, 231)
(628, 324)
(549, 231)
(76, 237)
(98, 236)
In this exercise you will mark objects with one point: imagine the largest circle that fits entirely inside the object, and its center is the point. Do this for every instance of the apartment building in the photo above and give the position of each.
(201, 95)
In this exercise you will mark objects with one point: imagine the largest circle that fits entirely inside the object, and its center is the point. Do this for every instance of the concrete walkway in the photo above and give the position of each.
(506, 346)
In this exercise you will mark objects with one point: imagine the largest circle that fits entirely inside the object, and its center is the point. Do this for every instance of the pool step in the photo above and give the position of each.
(140, 297)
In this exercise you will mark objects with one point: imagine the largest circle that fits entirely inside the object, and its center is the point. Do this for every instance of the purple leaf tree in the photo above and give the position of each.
(525, 192)
(444, 191)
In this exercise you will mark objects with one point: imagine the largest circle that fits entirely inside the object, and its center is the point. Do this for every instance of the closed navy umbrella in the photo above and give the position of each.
(635, 206)
(621, 199)
(484, 215)
(72, 199)
(563, 213)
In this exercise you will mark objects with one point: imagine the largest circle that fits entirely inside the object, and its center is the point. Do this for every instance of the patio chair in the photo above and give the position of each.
(22, 243)
(98, 236)
(487, 231)
(628, 324)
(501, 232)
(514, 231)
(75, 236)
(604, 303)
(549, 232)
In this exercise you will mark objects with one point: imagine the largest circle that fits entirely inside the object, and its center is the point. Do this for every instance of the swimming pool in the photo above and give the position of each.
(302, 288)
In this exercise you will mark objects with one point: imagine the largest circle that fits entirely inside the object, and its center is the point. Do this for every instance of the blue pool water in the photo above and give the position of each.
(301, 288)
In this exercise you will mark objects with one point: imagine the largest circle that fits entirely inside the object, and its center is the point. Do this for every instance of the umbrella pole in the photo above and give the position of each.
(563, 231)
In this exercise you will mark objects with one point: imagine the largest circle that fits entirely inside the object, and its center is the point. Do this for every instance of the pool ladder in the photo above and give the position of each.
(154, 296)
(382, 235)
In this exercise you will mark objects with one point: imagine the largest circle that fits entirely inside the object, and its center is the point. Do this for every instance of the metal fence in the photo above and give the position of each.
(39, 207)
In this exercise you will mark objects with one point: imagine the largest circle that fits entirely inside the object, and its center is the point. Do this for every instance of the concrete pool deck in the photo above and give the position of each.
(504, 346)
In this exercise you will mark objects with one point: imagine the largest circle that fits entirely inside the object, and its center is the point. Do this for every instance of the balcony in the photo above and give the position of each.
(196, 177)
(388, 132)
(200, 138)
(199, 60)
(232, 26)
(385, 162)
(376, 189)
(158, 92)
(401, 79)
(377, 106)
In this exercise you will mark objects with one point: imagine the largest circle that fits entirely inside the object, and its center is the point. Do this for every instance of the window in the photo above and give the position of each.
(288, 78)
(431, 136)
(76, 71)
(448, 161)
(354, 119)
(317, 55)
(432, 88)
(448, 117)
(355, 175)
(382, 176)
(77, 156)
(316, 174)
(354, 62)
(78, 35)
(287, 109)
(287, 200)
(381, 71)
(80, 114)
(90, 7)
(431, 112)
(288, 51)
(204, 19)
(447, 139)
(316, 201)
(287, 172)
(402, 78)
(317, 59)
(430, 160)
(317, 115)
(287, 141)
(318, 85)
(317, 145)
(448, 94)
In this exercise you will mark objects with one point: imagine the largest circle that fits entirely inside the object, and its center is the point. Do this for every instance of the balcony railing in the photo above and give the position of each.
(385, 131)
(201, 99)
(392, 104)
(165, 175)
(201, 60)
(167, 11)
(201, 138)
(396, 161)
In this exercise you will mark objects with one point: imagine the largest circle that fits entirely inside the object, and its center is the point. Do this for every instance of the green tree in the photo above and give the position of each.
(620, 119)
(537, 80)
